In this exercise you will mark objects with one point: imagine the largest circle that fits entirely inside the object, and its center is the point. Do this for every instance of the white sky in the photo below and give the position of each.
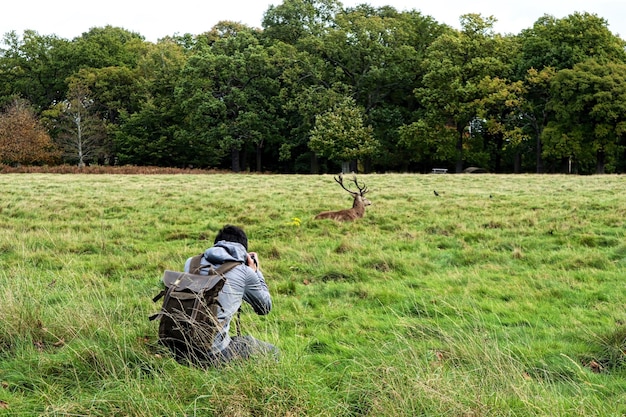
(155, 19)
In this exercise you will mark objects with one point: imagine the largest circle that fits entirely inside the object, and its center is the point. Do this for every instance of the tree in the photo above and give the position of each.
(114, 90)
(454, 66)
(552, 45)
(339, 134)
(107, 46)
(23, 140)
(499, 111)
(535, 114)
(304, 91)
(297, 21)
(146, 133)
(229, 91)
(427, 144)
(589, 124)
(82, 132)
(562, 43)
(34, 67)
(376, 54)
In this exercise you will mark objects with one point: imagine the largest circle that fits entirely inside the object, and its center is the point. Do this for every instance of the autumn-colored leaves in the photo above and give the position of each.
(23, 140)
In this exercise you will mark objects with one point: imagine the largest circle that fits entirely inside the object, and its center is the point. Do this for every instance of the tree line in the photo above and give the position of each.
(318, 88)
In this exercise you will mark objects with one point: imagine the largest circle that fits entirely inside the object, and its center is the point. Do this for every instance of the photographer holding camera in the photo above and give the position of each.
(244, 282)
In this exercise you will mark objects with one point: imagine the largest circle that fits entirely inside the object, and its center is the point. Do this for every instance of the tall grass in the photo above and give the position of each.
(504, 295)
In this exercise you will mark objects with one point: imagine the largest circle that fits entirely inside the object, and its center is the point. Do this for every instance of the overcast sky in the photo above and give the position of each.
(155, 19)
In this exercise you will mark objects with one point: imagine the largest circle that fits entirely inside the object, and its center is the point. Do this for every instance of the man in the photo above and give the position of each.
(244, 282)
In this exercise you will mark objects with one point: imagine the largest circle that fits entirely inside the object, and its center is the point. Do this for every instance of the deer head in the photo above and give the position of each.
(358, 206)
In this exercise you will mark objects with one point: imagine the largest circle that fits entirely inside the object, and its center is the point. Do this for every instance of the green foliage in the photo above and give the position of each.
(247, 99)
(562, 43)
(108, 46)
(340, 135)
(454, 93)
(229, 93)
(590, 114)
(428, 143)
(501, 296)
(34, 67)
(294, 21)
(376, 54)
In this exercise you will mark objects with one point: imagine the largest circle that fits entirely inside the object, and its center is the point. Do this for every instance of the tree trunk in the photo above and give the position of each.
(234, 156)
(600, 156)
(498, 154)
(367, 166)
(459, 150)
(315, 166)
(517, 163)
(540, 167)
(259, 154)
(567, 165)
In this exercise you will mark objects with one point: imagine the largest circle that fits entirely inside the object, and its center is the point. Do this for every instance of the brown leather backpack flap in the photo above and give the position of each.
(185, 281)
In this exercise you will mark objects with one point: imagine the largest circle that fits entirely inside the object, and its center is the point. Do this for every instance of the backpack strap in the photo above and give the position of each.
(194, 265)
(167, 293)
(227, 266)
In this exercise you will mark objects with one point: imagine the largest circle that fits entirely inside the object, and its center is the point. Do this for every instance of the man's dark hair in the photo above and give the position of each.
(232, 233)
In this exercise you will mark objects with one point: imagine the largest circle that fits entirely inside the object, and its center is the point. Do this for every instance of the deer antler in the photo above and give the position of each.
(340, 182)
(362, 189)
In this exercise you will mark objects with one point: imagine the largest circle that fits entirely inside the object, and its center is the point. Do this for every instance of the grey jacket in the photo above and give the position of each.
(242, 284)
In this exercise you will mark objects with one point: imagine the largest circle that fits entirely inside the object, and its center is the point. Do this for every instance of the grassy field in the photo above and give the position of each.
(502, 296)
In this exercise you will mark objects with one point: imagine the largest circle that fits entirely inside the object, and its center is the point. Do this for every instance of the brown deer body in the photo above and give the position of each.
(358, 207)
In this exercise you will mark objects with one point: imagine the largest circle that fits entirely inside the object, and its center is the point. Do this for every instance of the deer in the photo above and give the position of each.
(358, 207)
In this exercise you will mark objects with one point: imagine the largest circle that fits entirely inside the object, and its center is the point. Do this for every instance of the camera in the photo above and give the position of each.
(254, 259)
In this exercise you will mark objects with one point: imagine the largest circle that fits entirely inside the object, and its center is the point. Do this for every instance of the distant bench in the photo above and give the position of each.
(439, 171)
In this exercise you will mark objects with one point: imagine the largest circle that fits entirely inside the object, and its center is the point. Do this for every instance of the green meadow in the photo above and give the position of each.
(503, 296)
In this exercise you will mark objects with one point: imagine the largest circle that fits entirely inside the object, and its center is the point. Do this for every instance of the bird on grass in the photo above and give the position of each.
(436, 193)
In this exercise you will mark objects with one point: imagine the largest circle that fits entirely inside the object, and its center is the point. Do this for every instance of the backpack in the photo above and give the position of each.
(188, 317)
